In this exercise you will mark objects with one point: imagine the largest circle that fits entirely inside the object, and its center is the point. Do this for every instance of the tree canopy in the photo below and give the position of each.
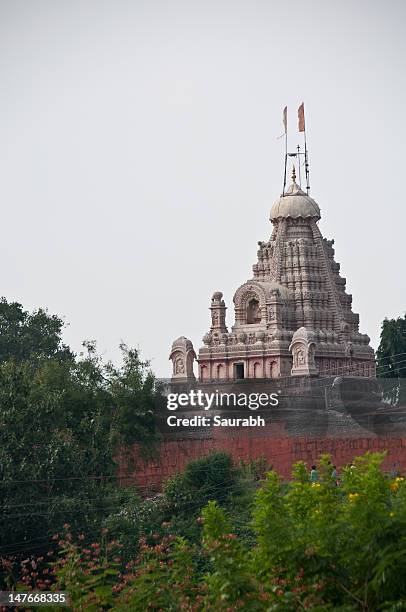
(63, 419)
(391, 354)
(24, 334)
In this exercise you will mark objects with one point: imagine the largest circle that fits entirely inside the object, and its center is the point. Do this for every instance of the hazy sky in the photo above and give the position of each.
(139, 156)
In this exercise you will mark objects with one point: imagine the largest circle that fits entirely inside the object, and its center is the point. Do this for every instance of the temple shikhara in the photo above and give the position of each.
(292, 318)
(292, 333)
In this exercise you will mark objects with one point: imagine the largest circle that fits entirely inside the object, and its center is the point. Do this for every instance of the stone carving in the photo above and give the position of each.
(296, 285)
(242, 337)
(182, 356)
(271, 314)
(349, 350)
(253, 312)
(218, 313)
(179, 365)
(303, 348)
(310, 355)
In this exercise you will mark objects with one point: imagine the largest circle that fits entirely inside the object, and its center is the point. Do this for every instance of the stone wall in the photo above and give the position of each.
(281, 453)
(313, 416)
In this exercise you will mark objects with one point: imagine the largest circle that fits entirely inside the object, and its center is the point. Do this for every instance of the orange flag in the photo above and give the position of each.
(285, 119)
(301, 117)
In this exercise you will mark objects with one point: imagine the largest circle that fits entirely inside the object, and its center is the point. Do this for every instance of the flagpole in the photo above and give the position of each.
(302, 128)
(286, 162)
(306, 164)
(298, 164)
(285, 122)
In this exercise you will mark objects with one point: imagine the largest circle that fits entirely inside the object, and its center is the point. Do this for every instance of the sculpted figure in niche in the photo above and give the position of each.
(179, 366)
(253, 312)
(271, 314)
(300, 357)
(215, 317)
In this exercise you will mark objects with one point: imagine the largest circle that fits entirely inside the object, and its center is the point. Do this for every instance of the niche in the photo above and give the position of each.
(253, 312)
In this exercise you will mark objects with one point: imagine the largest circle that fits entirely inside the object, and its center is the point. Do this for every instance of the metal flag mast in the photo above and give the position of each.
(285, 123)
(302, 128)
(298, 153)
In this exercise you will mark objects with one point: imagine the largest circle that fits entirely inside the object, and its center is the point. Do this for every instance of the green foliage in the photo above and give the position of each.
(136, 519)
(343, 540)
(24, 335)
(88, 574)
(62, 422)
(208, 478)
(211, 472)
(255, 469)
(165, 578)
(391, 359)
(126, 523)
(180, 504)
(136, 398)
(229, 583)
(391, 354)
(317, 546)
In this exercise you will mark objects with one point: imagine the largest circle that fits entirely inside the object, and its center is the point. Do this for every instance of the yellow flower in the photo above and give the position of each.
(391, 514)
(316, 484)
(399, 479)
(353, 496)
(394, 486)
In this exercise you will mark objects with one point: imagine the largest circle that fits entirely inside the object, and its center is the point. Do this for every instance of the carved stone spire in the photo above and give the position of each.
(218, 313)
(294, 317)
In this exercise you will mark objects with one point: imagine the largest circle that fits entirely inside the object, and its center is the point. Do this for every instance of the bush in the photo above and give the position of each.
(184, 495)
(208, 478)
(317, 546)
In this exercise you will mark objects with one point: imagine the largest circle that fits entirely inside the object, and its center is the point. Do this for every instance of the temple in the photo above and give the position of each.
(292, 318)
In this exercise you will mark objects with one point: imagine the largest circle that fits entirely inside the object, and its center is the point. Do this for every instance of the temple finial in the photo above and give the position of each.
(294, 174)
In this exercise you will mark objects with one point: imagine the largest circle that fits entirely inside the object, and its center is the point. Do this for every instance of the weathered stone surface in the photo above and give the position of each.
(295, 286)
(280, 452)
(182, 356)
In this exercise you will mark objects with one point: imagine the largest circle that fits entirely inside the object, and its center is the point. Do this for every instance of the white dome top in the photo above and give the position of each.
(295, 203)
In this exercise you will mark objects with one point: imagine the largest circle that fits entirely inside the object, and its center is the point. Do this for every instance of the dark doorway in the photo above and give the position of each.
(238, 371)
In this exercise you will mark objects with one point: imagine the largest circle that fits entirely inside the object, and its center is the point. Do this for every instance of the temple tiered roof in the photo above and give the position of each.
(293, 317)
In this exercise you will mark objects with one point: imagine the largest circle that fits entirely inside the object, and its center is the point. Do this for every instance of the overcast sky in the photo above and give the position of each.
(139, 156)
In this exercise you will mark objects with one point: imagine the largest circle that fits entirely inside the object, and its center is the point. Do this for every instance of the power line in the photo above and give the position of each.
(190, 505)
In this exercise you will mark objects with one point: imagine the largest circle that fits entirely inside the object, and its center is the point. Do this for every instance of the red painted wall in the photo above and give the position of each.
(281, 452)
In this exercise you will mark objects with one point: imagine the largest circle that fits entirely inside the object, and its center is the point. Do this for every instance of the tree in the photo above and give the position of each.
(391, 357)
(391, 353)
(24, 335)
(184, 495)
(63, 421)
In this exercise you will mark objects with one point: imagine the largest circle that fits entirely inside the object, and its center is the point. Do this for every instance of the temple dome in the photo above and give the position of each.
(304, 335)
(295, 203)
